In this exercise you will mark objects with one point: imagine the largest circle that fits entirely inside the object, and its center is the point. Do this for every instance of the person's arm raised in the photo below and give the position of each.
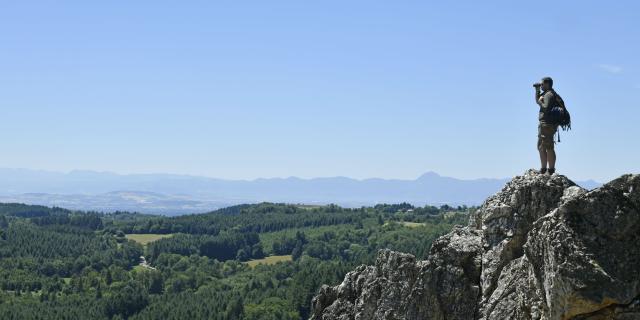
(546, 100)
(538, 96)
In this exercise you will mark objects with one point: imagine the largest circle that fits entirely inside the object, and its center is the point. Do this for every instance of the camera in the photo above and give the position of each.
(537, 85)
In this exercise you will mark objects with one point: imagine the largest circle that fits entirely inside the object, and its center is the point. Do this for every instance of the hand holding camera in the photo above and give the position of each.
(537, 86)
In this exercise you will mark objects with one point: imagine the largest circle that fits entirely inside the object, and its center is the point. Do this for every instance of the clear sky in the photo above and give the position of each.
(248, 89)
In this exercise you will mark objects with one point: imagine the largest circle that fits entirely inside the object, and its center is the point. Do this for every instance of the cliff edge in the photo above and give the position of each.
(542, 248)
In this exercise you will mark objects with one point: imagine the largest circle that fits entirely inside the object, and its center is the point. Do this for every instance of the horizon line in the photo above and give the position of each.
(429, 172)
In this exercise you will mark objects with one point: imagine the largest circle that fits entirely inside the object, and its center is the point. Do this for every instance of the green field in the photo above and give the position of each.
(407, 224)
(139, 268)
(269, 260)
(145, 238)
(413, 224)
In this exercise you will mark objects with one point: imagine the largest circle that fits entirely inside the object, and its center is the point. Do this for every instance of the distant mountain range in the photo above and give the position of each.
(179, 194)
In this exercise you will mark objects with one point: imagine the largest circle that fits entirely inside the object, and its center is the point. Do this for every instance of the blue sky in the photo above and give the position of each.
(248, 89)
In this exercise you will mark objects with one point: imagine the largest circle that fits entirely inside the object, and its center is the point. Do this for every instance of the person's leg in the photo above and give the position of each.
(542, 150)
(550, 146)
(546, 148)
(551, 157)
(543, 158)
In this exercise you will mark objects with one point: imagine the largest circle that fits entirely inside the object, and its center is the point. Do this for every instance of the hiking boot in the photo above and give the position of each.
(543, 170)
(551, 171)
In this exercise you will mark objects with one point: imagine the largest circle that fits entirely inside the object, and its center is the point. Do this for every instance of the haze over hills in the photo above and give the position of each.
(180, 194)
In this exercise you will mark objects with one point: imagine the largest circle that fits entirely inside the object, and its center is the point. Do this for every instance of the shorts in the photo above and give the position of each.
(545, 136)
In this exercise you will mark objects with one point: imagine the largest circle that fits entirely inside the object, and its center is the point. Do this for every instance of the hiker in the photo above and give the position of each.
(552, 114)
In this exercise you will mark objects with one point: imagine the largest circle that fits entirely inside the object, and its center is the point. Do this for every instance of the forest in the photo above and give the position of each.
(63, 264)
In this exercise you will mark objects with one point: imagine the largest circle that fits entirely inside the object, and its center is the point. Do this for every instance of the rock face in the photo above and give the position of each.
(540, 249)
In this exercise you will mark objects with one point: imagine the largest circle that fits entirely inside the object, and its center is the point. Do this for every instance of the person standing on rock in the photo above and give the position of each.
(546, 99)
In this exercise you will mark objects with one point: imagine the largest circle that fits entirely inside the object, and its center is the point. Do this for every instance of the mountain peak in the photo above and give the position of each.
(429, 175)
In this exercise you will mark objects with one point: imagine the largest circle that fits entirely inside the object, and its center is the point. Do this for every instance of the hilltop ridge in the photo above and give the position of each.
(542, 248)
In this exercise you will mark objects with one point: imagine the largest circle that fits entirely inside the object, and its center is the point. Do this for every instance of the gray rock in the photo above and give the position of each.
(507, 218)
(586, 254)
(542, 248)
(398, 287)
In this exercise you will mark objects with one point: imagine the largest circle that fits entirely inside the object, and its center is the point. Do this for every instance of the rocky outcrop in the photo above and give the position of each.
(542, 249)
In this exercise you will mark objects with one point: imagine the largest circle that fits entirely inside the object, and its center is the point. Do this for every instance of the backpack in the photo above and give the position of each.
(559, 115)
